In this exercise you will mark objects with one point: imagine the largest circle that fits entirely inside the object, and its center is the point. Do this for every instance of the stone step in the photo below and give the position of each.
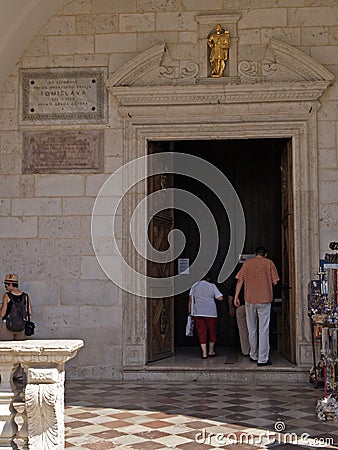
(226, 373)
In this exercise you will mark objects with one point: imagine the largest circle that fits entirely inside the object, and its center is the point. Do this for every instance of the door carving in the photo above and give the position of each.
(287, 275)
(160, 311)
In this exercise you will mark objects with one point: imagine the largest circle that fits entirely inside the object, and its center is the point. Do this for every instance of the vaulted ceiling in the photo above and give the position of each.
(20, 21)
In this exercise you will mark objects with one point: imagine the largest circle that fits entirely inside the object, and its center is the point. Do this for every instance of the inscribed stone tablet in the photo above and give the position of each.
(63, 95)
(62, 151)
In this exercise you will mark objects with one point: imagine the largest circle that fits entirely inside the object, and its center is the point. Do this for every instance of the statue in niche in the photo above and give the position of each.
(219, 43)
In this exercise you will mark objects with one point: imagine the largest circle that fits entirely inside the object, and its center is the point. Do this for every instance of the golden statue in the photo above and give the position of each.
(219, 42)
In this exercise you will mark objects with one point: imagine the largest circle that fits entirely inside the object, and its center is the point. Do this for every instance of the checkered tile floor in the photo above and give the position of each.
(104, 415)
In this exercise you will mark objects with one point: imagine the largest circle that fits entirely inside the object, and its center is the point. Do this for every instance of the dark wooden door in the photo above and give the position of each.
(160, 310)
(253, 168)
(287, 271)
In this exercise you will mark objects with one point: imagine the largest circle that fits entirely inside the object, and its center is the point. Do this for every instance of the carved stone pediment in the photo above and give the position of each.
(282, 63)
(150, 69)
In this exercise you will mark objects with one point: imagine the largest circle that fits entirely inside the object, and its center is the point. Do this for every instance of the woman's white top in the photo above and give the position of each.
(204, 294)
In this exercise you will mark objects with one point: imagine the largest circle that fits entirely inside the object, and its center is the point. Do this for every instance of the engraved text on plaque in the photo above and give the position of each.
(62, 151)
(63, 95)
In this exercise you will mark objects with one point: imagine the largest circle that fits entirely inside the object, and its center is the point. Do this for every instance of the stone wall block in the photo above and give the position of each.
(328, 157)
(95, 182)
(76, 7)
(260, 18)
(326, 55)
(113, 142)
(65, 227)
(326, 136)
(102, 23)
(137, 22)
(308, 17)
(27, 248)
(107, 6)
(176, 21)
(91, 270)
(186, 37)
(252, 36)
(36, 207)
(9, 99)
(77, 206)
(8, 119)
(185, 52)
(71, 246)
(100, 316)
(112, 164)
(197, 5)
(19, 227)
(99, 358)
(90, 293)
(4, 206)
(62, 45)
(37, 47)
(10, 164)
(155, 5)
(27, 186)
(91, 60)
(116, 43)
(59, 317)
(314, 36)
(327, 234)
(59, 26)
(328, 191)
(52, 268)
(9, 141)
(59, 185)
(333, 35)
(328, 215)
(42, 293)
(116, 61)
(291, 36)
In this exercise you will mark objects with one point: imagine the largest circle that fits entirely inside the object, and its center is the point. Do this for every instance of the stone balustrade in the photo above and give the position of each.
(32, 414)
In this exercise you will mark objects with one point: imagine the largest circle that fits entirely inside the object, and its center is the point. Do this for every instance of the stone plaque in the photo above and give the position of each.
(62, 151)
(63, 95)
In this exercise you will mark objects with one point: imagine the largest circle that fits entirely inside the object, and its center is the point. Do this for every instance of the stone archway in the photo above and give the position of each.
(274, 98)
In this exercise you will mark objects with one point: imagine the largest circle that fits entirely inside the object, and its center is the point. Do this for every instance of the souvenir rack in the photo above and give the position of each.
(323, 313)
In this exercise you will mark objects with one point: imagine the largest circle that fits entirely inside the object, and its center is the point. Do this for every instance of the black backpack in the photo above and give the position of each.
(16, 312)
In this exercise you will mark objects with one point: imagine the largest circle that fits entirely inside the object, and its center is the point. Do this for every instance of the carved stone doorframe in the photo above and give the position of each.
(153, 110)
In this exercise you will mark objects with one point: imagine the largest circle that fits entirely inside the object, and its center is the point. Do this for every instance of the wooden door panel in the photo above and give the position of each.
(287, 275)
(160, 310)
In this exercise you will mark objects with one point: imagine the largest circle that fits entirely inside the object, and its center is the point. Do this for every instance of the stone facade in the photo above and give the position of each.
(156, 58)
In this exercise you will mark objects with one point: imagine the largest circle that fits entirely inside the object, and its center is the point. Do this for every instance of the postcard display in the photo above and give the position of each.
(323, 312)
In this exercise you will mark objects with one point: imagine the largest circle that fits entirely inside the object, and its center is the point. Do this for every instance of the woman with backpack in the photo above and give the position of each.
(14, 311)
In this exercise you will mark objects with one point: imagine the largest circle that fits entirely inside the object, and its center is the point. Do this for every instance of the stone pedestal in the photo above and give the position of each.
(43, 396)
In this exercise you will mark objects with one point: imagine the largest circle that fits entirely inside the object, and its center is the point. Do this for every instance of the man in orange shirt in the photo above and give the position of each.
(258, 275)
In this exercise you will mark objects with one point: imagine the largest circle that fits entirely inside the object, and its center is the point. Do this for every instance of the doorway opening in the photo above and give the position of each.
(254, 168)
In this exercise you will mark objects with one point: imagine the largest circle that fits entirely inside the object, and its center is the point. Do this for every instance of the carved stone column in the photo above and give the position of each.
(44, 363)
(8, 427)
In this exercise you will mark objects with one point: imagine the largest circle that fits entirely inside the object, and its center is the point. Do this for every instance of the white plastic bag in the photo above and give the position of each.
(189, 328)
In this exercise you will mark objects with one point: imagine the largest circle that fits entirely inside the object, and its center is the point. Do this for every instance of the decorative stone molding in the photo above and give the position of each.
(42, 424)
(289, 75)
(277, 105)
(146, 69)
(283, 63)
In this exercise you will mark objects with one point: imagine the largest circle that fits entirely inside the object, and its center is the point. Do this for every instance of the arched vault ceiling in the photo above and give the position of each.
(20, 21)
